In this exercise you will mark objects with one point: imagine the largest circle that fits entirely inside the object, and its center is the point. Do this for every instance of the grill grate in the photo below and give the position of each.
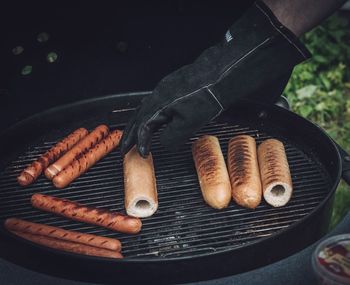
(183, 224)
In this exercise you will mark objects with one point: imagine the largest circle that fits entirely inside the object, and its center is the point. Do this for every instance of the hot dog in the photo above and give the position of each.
(82, 146)
(140, 185)
(18, 225)
(244, 171)
(212, 172)
(31, 173)
(69, 246)
(86, 160)
(78, 212)
(275, 173)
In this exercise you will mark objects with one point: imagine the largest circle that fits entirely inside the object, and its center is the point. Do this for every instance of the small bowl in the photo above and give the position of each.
(331, 260)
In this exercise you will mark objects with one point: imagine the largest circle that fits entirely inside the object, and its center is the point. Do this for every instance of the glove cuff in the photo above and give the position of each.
(259, 49)
(283, 30)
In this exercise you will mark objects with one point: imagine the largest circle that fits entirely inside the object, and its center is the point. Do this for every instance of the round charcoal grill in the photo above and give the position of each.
(185, 240)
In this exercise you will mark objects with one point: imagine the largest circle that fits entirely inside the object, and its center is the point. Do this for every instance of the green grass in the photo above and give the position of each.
(319, 90)
(341, 203)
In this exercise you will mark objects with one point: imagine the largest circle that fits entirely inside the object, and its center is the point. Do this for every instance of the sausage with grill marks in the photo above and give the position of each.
(275, 173)
(82, 146)
(87, 160)
(244, 171)
(31, 173)
(18, 225)
(78, 212)
(69, 246)
(212, 172)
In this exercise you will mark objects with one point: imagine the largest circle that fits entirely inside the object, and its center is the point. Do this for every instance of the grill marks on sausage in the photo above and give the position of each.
(86, 160)
(31, 173)
(80, 148)
(69, 246)
(17, 225)
(75, 211)
(55, 152)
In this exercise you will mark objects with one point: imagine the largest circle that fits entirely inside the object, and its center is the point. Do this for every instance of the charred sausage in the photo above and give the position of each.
(18, 225)
(69, 246)
(31, 173)
(87, 160)
(82, 146)
(78, 212)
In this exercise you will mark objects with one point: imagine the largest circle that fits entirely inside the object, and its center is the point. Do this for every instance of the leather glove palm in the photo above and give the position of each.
(257, 51)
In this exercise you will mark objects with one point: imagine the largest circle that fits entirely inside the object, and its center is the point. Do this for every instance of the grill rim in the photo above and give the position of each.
(134, 260)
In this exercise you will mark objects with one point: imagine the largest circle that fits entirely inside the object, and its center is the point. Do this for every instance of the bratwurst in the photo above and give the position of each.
(18, 225)
(31, 173)
(69, 246)
(78, 212)
(82, 146)
(87, 159)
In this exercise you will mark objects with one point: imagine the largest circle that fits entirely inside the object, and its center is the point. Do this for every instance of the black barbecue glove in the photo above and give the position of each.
(256, 52)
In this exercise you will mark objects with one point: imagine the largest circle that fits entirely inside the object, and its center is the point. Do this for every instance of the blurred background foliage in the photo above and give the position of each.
(319, 90)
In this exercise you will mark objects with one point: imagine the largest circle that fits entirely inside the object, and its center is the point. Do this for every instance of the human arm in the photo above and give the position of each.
(301, 16)
(257, 51)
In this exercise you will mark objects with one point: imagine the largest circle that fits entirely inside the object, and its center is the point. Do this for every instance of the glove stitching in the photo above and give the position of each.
(166, 106)
(216, 99)
(233, 64)
(178, 99)
(228, 68)
(280, 31)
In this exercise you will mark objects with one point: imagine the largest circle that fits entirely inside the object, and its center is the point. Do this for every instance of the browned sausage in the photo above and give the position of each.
(18, 225)
(69, 246)
(244, 171)
(89, 141)
(140, 185)
(75, 211)
(212, 172)
(86, 160)
(275, 173)
(31, 173)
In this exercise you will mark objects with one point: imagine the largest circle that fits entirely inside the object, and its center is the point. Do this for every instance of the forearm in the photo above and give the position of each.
(301, 16)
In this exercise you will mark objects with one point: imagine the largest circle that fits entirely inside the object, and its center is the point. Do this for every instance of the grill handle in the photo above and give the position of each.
(345, 157)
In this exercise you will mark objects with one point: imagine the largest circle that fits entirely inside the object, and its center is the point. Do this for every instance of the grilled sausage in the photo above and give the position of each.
(18, 225)
(31, 173)
(244, 171)
(212, 172)
(140, 185)
(69, 246)
(78, 212)
(275, 173)
(82, 146)
(87, 160)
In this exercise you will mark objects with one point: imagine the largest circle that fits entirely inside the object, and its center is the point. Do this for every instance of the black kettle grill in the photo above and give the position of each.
(186, 240)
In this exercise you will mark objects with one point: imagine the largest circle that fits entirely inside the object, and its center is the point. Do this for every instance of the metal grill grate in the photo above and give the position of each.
(183, 224)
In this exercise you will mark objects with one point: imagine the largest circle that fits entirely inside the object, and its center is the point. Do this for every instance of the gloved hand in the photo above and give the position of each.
(257, 51)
